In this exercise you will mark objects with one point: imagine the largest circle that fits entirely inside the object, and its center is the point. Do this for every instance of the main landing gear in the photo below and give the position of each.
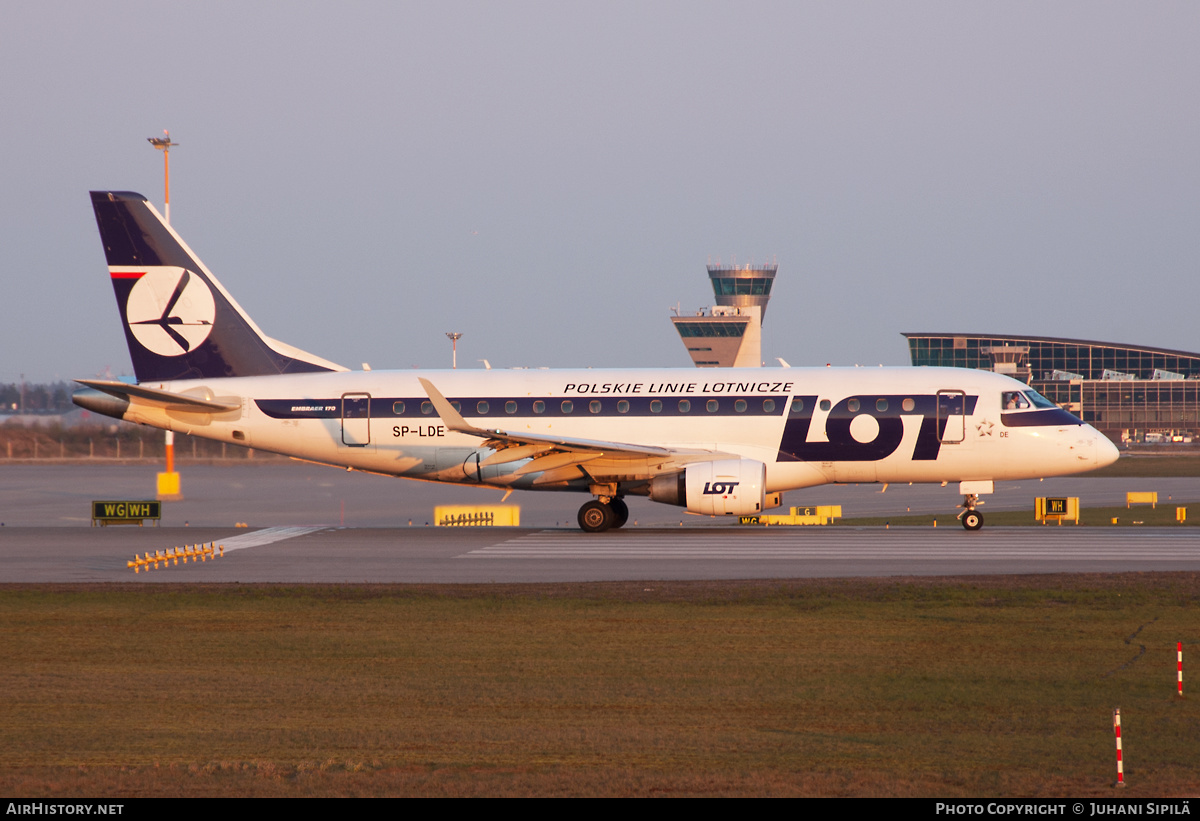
(599, 515)
(971, 518)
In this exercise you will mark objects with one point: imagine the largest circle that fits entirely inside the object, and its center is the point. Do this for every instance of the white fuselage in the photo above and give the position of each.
(809, 426)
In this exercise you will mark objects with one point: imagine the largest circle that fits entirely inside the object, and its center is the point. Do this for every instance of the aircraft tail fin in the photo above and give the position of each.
(180, 323)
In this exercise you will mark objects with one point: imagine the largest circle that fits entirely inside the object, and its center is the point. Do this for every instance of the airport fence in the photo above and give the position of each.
(121, 441)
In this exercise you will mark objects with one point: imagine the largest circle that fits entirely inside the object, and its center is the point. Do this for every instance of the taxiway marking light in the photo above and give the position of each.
(196, 552)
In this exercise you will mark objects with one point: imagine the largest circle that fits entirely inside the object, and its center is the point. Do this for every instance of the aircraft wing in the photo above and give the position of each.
(153, 396)
(536, 444)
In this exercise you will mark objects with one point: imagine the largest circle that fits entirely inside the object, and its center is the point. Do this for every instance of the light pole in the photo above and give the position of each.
(164, 144)
(454, 337)
(168, 481)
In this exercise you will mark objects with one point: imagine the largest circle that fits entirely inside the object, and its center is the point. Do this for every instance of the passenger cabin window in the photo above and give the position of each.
(426, 408)
(713, 405)
(852, 406)
(797, 405)
(740, 405)
(623, 406)
(398, 408)
(685, 406)
(881, 405)
(539, 406)
(768, 406)
(594, 406)
(481, 408)
(656, 406)
(510, 406)
(825, 404)
(568, 406)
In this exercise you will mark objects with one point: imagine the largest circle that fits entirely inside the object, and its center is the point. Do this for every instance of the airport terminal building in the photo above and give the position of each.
(1131, 393)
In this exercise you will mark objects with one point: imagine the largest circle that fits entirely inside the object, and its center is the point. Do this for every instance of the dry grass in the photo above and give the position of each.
(988, 686)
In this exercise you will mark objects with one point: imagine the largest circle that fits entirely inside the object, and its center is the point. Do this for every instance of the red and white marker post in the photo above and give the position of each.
(1179, 665)
(1120, 761)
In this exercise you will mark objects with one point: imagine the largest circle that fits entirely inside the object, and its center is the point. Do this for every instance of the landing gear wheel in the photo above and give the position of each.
(596, 517)
(972, 520)
(620, 512)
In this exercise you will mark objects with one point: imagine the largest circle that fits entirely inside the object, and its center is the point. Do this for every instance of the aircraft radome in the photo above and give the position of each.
(725, 442)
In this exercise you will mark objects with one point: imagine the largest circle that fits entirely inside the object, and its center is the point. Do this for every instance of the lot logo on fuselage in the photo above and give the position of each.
(170, 311)
(870, 428)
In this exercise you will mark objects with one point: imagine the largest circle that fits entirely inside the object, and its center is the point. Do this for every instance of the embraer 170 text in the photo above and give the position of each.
(717, 442)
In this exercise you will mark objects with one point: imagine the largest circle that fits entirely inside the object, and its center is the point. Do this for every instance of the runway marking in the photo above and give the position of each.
(268, 535)
(873, 544)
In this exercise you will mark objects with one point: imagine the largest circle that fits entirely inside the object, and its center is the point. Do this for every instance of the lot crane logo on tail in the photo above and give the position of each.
(170, 311)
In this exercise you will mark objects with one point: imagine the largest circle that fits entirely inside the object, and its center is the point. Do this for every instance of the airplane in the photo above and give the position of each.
(725, 442)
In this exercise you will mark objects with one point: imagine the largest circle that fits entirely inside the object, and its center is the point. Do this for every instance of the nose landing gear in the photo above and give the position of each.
(971, 518)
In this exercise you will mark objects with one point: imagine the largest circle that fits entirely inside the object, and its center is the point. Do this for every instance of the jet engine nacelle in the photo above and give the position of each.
(728, 487)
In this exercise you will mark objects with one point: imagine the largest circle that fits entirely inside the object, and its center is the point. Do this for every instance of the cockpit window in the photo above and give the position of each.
(1013, 400)
(1039, 401)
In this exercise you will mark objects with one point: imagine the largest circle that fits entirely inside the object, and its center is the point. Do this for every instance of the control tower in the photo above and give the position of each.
(743, 287)
(729, 334)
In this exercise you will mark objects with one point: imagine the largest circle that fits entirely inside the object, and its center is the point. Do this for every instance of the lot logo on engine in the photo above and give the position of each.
(717, 488)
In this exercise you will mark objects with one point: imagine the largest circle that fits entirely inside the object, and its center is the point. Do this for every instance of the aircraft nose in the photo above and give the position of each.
(1106, 451)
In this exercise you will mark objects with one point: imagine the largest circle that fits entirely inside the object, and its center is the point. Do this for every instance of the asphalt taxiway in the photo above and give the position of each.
(312, 525)
(478, 555)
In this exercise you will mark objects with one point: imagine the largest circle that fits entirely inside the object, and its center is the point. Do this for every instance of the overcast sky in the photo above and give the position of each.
(549, 178)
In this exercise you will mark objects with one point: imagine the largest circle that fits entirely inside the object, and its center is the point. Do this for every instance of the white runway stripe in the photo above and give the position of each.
(1157, 545)
(267, 535)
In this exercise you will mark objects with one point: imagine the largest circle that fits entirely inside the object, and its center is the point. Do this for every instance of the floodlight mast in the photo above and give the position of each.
(164, 144)
(168, 481)
(454, 337)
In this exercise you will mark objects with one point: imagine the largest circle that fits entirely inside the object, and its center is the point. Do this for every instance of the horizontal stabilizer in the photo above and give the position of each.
(163, 399)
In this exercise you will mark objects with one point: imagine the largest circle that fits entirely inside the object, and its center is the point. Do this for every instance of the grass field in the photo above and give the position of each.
(995, 686)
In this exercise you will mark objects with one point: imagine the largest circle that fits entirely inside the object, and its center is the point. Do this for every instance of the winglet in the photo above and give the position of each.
(450, 416)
